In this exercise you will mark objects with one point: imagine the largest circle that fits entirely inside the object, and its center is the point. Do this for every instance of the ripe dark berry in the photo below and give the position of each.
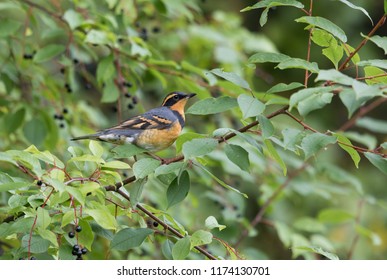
(79, 258)
(75, 247)
(27, 56)
(39, 183)
(120, 40)
(67, 85)
(143, 34)
(76, 61)
(135, 100)
(62, 125)
(130, 106)
(21, 259)
(156, 29)
(32, 258)
(127, 84)
(87, 86)
(74, 252)
(79, 253)
(155, 224)
(65, 110)
(71, 234)
(128, 95)
(78, 228)
(84, 251)
(62, 70)
(125, 174)
(114, 109)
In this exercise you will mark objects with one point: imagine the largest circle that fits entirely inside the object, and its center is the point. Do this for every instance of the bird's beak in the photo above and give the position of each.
(190, 95)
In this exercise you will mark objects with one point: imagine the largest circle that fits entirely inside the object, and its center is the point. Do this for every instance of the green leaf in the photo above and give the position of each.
(201, 237)
(310, 99)
(43, 218)
(223, 184)
(86, 236)
(9, 27)
(181, 248)
(35, 131)
(211, 106)
(334, 53)
(335, 216)
(274, 154)
(380, 63)
(263, 18)
(110, 92)
(298, 63)
(346, 144)
(314, 142)
(318, 250)
(375, 238)
(77, 194)
(48, 235)
(349, 4)
(115, 164)
(366, 139)
(48, 52)
(199, 147)
(212, 223)
(14, 121)
(97, 37)
(96, 148)
(351, 101)
(231, 77)
(67, 218)
(374, 75)
(381, 42)
(144, 167)
(281, 87)
(127, 150)
(103, 217)
(262, 57)
(166, 249)
(135, 190)
(106, 70)
(334, 76)
(178, 189)
(266, 126)
(169, 168)
(250, 106)
(374, 125)
(309, 224)
(13, 186)
(274, 3)
(38, 245)
(45, 156)
(238, 156)
(73, 18)
(378, 161)
(291, 138)
(324, 24)
(129, 238)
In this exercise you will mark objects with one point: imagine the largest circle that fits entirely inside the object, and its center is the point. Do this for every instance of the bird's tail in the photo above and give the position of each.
(90, 136)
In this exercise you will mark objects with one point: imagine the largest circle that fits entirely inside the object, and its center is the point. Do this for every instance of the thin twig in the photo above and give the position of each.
(357, 222)
(309, 45)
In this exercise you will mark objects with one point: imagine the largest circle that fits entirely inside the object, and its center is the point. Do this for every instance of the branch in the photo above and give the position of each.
(365, 40)
(309, 45)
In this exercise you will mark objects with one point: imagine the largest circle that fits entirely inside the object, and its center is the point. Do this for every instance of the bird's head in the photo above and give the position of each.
(176, 100)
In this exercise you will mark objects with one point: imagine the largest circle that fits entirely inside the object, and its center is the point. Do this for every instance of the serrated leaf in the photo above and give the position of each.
(144, 167)
(238, 155)
(381, 42)
(201, 237)
(48, 52)
(181, 248)
(223, 184)
(326, 25)
(211, 106)
(199, 147)
(274, 3)
(129, 238)
(334, 216)
(351, 5)
(378, 161)
(345, 144)
(318, 250)
(274, 154)
(231, 77)
(178, 189)
(299, 64)
(281, 87)
(212, 223)
(250, 106)
(314, 142)
(262, 57)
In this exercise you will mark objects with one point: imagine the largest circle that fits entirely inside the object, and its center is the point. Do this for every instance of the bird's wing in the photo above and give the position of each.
(158, 118)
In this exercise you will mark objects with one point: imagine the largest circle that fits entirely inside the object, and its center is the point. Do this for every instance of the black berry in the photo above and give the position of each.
(79, 258)
(65, 110)
(62, 125)
(71, 234)
(78, 228)
(125, 174)
(114, 109)
(128, 95)
(62, 70)
(87, 86)
(21, 259)
(79, 253)
(143, 34)
(135, 100)
(155, 224)
(75, 247)
(27, 56)
(130, 106)
(156, 29)
(127, 84)
(84, 251)
(39, 183)
(32, 258)
(76, 61)
(120, 40)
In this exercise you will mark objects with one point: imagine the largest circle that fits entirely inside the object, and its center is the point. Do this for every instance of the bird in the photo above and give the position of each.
(154, 130)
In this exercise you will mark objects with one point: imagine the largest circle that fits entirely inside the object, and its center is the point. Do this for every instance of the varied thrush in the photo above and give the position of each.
(154, 130)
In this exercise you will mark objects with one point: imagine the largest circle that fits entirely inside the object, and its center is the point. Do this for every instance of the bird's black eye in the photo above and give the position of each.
(176, 97)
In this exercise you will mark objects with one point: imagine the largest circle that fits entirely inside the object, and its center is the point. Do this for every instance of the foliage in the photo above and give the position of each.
(260, 171)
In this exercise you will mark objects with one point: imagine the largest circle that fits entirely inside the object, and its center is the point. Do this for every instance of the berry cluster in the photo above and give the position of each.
(60, 117)
(77, 250)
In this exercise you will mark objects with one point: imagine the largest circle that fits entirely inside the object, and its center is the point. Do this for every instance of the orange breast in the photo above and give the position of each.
(156, 139)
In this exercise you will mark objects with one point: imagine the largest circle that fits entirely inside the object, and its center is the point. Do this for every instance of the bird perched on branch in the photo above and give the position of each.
(154, 130)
